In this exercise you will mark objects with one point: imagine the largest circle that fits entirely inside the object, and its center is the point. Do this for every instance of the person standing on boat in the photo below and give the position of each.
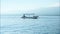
(23, 16)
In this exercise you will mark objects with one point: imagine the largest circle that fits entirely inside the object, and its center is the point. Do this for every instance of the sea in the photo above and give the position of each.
(18, 25)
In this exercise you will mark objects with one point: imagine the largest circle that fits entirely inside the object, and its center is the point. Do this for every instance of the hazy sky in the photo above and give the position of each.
(13, 6)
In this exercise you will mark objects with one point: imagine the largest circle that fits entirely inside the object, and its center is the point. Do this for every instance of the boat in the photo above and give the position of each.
(30, 16)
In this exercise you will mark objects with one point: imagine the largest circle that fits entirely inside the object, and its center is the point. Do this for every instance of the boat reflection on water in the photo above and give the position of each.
(30, 16)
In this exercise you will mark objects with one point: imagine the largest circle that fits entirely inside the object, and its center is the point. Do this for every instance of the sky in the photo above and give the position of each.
(15, 6)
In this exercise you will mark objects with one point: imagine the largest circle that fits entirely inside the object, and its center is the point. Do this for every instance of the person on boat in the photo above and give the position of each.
(23, 16)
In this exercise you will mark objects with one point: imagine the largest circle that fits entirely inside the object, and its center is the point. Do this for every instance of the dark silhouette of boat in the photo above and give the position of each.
(30, 16)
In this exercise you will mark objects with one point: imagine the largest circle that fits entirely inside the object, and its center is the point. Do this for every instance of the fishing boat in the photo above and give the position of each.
(30, 16)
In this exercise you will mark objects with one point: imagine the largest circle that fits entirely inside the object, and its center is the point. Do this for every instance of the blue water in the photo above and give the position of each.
(42, 25)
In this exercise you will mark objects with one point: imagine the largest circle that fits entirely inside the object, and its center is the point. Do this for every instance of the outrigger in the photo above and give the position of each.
(30, 16)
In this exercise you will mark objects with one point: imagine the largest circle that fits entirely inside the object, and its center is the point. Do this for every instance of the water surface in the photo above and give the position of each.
(42, 25)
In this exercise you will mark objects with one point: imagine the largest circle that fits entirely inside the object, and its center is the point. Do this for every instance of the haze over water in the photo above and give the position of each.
(47, 23)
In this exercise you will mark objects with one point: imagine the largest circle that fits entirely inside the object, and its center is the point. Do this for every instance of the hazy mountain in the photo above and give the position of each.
(54, 11)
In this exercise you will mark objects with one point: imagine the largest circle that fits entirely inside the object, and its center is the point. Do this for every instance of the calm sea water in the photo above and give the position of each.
(42, 25)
